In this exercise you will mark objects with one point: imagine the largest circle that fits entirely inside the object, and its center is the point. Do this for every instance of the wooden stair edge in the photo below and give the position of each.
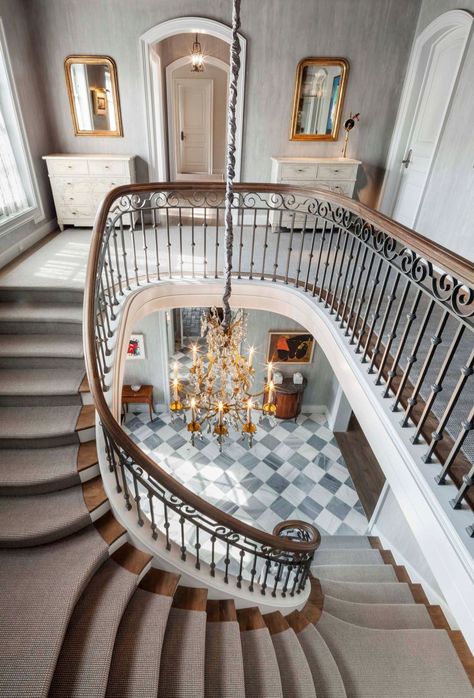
(190, 598)
(94, 493)
(298, 621)
(84, 386)
(275, 622)
(221, 611)
(464, 653)
(131, 558)
(250, 619)
(86, 455)
(109, 528)
(160, 582)
(86, 419)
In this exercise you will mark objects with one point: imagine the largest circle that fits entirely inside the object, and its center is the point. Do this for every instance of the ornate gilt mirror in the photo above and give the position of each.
(319, 95)
(93, 95)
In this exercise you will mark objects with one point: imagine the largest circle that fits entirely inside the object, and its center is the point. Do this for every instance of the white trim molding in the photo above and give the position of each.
(447, 23)
(155, 95)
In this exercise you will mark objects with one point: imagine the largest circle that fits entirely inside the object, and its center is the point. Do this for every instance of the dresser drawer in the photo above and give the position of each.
(64, 167)
(337, 172)
(73, 212)
(108, 167)
(345, 188)
(295, 171)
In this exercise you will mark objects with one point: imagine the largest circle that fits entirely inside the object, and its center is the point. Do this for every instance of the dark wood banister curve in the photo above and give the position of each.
(451, 263)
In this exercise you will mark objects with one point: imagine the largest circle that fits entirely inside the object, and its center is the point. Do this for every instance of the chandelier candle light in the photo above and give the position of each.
(218, 393)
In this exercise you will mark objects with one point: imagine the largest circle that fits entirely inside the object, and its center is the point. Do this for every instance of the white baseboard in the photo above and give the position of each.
(315, 409)
(22, 245)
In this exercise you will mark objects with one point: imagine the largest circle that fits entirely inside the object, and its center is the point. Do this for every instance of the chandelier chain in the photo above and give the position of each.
(230, 168)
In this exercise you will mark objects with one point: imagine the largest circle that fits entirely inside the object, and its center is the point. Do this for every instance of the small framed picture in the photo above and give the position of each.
(136, 347)
(99, 98)
(290, 347)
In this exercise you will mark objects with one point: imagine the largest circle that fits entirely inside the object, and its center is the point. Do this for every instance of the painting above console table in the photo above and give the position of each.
(80, 182)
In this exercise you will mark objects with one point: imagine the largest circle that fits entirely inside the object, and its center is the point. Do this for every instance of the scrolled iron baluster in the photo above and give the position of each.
(213, 559)
(226, 562)
(374, 283)
(333, 269)
(265, 245)
(126, 492)
(193, 245)
(145, 245)
(466, 427)
(241, 565)
(326, 265)
(137, 499)
(252, 247)
(167, 526)
(124, 254)
(277, 249)
(134, 248)
(197, 547)
(168, 244)
(376, 314)
(393, 332)
(392, 296)
(204, 245)
(154, 533)
(411, 317)
(253, 572)
(355, 295)
(264, 583)
(339, 275)
(182, 521)
(277, 579)
(157, 249)
(320, 254)
(311, 254)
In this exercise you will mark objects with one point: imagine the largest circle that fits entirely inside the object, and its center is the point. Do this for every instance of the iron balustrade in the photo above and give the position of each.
(404, 304)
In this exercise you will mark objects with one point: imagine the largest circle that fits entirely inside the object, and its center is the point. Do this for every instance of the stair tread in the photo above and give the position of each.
(379, 615)
(223, 667)
(27, 422)
(348, 557)
(40, 587)
(42, 518)
(355, 573)
(394, 663)
(295, 673)
(40, 381)
(135, 665)
(38, 469)
(261, 671)
(84, 661)
(368, 592)
(183, 654)
(327, 678)
(41, 312)
(42, 345)
(346, 542)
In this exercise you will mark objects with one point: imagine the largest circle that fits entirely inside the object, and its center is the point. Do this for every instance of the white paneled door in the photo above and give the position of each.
(193, 125)
(432, 105)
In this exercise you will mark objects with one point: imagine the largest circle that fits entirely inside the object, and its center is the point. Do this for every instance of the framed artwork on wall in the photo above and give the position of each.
(290, 347)
(136, 347)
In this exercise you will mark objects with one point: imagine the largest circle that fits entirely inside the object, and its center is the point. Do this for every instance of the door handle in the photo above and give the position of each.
(182, 135)
(407, 160)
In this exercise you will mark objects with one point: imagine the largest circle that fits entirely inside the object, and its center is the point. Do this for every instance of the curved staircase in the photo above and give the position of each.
(85, 613)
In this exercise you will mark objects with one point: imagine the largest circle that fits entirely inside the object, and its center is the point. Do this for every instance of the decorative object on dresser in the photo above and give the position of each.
(348, 126)
(318, 99)
(92, 88)
(290, 347)
(80, 182)
(289, 398)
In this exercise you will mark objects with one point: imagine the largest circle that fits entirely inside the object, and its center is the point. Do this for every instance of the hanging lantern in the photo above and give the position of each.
(197, 57)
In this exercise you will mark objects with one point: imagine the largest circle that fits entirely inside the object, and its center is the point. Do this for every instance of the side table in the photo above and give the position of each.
(144, 396)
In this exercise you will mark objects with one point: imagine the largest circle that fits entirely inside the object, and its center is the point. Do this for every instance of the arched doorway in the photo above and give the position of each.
(432, 74)
(155, 95)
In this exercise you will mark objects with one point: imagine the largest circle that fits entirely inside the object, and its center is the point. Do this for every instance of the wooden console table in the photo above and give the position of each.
(289, 398)
(144, 396)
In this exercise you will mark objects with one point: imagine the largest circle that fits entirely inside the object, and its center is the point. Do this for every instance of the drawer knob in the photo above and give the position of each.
(69, 167)
(107, 167)
(71, 198)
(73, 213)
(300, 170)
(337, 170)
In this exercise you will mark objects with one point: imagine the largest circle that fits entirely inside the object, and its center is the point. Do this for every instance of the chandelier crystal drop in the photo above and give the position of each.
(218, 394)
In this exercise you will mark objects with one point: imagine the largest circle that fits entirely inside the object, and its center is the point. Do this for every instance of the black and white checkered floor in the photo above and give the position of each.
(293, 471)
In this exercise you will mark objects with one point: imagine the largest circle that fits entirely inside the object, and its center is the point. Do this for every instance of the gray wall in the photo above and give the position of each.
(153, 369)
(447, 211)
(374, 35)
(31, 93)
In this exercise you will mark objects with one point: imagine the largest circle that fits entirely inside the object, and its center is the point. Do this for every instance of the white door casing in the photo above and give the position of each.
(154, 93)
(431, 78)
(192, 109)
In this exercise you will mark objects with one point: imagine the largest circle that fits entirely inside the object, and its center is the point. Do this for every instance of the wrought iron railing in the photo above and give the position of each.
(404, 305)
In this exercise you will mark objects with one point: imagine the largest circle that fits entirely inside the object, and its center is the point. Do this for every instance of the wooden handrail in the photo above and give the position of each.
(451, 263)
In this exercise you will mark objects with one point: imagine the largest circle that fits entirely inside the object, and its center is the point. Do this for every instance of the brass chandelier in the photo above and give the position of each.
(218, 394)
(219, 391)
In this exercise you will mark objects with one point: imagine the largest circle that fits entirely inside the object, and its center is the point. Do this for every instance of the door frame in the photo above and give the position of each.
(171, 136)
(418, 66)
(154, 90)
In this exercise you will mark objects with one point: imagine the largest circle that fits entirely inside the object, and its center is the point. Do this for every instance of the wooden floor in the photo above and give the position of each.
(363, 467)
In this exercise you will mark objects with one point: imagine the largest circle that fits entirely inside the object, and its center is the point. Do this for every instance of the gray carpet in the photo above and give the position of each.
(368, 592)
(224, 669)
(182, 656)
(326, 673)
(34, 427)
(37, 519)
(261, 671)
(379, 615)
(41, 345)
(34, 471)
(295, 673)
(355, 573)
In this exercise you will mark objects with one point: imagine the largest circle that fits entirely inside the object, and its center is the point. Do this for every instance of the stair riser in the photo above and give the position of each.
(40, 400)
(36, 295)
(45, 327)
(41, 362)
(49, 442)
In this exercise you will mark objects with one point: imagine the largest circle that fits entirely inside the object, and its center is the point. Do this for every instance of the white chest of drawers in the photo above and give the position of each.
(80, 182)
(334, 174)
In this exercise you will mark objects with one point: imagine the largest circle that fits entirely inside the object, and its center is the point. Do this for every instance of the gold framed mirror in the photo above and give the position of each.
(93, 95)
(318, 99)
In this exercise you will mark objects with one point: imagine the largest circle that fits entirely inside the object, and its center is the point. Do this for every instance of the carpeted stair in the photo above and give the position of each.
(83, 613)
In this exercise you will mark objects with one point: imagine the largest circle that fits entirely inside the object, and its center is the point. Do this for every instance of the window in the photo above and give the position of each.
(19, 197)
